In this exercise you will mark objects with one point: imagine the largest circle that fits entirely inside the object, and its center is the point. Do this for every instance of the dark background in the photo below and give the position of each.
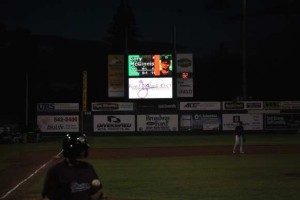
(54, 41)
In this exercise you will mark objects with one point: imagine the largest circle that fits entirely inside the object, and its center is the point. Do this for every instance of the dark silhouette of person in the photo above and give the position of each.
(73, 178)
(239, 137)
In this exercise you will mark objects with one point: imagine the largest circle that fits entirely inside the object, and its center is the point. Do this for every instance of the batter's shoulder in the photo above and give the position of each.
(84, 164)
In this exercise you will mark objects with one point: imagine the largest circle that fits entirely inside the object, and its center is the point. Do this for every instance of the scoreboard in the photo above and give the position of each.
(150, 76)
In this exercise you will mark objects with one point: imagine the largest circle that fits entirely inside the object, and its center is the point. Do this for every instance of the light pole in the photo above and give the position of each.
(244, 86)
(26, 101)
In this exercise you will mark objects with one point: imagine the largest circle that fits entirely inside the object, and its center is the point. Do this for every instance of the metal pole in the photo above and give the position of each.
(126, 40)
(27, 102)
(175, 63)
(174, 39)
(84, 98)
(245, 93)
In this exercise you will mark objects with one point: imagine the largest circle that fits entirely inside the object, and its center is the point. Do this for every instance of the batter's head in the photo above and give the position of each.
(75, 146)
(166, 58)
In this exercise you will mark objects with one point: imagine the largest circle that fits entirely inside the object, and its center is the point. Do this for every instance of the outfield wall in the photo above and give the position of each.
(159, 117)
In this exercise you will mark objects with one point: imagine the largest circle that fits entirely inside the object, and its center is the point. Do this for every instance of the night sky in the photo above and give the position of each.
(203, 24)
(210, 29)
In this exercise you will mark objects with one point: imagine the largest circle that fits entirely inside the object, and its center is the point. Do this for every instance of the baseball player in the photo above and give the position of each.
(239, 137)
(71, 178)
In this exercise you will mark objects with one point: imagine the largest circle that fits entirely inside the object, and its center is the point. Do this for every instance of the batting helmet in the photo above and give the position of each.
(75, 146)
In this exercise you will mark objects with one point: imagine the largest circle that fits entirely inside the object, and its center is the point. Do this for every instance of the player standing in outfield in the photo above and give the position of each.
(73, 179)
(239, 137)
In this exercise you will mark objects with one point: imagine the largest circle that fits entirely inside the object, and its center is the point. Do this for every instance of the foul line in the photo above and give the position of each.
(31, 175)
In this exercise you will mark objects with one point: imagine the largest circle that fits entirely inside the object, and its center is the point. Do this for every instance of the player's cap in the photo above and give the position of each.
(165, 58)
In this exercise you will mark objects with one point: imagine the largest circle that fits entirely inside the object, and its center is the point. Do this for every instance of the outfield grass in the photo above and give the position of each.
(190, 140)
(209, 177)
(226, 177)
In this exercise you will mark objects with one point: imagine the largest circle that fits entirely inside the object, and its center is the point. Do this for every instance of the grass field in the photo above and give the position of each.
(261, 176)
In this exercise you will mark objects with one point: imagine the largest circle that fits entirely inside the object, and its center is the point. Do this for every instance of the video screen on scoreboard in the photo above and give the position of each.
(150, 76)
(157, 65)
(150, 88)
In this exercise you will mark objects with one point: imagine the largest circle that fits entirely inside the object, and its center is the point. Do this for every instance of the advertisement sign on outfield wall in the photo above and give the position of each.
(243, 105)
(250, 121)
(114, 123)
(58, 123)
(57, 107)
(282, 121)
(200, 105)
(282, 105)
(141, 106)
(203, 121)
(112, 106)
(157, 122)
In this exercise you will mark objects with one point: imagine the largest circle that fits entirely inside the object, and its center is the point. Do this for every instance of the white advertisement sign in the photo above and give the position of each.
(157, 122)
(58, 123)
(185, 87)
(115, 75)
(111, 123)
(150, 88)
(250, 121)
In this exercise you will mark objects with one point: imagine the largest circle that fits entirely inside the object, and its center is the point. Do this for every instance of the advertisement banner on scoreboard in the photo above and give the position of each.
(115, 75)
(184, 62)
(185, 87)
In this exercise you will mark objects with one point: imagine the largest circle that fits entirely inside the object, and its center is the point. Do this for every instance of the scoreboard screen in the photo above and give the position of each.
(150, 76)
(148, 65)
